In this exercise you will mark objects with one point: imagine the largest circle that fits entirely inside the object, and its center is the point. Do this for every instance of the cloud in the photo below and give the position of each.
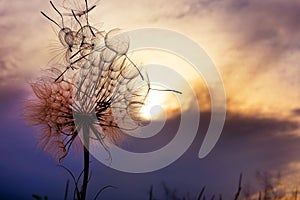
(296, 112)
(21, 51)
(260, 128)
(255, 44)
(248, 143)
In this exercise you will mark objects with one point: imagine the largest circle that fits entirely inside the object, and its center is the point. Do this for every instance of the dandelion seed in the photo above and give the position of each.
(51, 111)
(76, 40)
(85, 42)
(80, 7)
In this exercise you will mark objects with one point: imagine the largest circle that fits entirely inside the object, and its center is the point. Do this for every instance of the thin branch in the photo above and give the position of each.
(151, 193)
(201, 193)
(102, 189)
(66, 190)
(74, 180)
(239, 188)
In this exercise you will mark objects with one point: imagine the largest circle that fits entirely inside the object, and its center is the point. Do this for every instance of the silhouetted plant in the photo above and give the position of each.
(101, 97)
(99, 100)
(171, 194)
(270, 187)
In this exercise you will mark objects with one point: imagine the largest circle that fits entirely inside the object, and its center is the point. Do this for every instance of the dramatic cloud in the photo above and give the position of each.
(296, 112)
(23, 50)
(255, 44)
(257, 50)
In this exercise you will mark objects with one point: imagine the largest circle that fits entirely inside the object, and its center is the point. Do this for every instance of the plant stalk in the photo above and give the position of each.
(86, 155)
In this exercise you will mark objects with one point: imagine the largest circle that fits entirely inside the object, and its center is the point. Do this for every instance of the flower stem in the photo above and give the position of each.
(86, 155)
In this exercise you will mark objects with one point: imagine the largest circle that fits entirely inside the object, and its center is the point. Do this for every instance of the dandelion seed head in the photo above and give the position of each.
(105, 101)
(100, 100)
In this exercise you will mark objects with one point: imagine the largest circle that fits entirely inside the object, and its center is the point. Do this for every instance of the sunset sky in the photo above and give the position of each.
(254, 44)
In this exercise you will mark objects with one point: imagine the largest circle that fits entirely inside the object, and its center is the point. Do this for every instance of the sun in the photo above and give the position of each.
(155, 105)
(160, 105)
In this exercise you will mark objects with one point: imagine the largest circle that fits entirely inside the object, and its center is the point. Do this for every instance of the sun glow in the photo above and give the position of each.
(166, 72)
(154, 105)
(159, 105)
